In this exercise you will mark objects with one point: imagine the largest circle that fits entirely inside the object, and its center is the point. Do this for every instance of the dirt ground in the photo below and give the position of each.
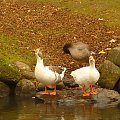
(49, 28)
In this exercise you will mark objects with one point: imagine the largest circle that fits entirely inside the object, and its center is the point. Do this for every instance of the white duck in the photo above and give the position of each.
(48, 75)
(87, 76)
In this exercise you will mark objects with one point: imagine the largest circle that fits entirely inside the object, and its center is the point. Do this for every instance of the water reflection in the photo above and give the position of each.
(27, 109)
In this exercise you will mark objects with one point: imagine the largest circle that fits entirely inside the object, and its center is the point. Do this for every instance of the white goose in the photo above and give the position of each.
(48, 75)
(87, 76)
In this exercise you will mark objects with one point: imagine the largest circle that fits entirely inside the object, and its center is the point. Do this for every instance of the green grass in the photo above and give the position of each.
(11, 52)
(109, 10)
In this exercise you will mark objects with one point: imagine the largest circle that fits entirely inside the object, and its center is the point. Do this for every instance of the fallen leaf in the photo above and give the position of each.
(102, 52)
(100, 19)
(112, 41)
(108, 49)
(74, 38)
(110, 32)
(71, 63)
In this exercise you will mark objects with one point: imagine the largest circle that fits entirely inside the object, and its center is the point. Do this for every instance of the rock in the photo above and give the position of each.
(25, 70)
(28, 74)
(23, 66)
(118, 106)
(41, 87)
(104, 98)
(117, 86)
(114, 56)
(25, 88)
(4, 90)
(109, 74)
(70, 83)
(9, 72)
(60, 86)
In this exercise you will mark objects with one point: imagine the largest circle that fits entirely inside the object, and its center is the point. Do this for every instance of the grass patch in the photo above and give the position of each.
(11, 52)
(109, 10)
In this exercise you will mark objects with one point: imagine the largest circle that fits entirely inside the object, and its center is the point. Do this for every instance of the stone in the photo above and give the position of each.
(104, 98)
(41, 87)
(28, 74)
(70, 83)
(9, 72)
(117, 86)
(4, 90)
(25, 88)
(109, 74)
(114, 56)
(23, 66)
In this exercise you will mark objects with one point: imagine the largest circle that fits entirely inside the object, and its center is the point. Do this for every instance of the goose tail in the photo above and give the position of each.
(63, 72)
(72, 73)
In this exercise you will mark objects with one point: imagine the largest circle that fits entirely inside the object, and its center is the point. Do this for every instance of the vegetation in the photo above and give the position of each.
(48, 24)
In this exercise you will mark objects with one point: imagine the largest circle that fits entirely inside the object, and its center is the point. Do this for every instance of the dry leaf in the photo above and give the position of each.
(112, 41)
(71, 63)
(108, 49)
(110, 32)
(102, 52)
(100, 19)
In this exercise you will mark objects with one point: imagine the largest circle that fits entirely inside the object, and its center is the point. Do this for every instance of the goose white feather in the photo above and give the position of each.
(48, 75)
(86, 76)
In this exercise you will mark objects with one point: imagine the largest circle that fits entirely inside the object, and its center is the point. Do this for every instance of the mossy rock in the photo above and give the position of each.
(10, 53)
(109, 74)
(9, 72)
(114, 56)
(25, 88)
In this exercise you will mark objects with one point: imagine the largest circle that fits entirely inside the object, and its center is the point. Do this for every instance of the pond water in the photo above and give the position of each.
(27, 109)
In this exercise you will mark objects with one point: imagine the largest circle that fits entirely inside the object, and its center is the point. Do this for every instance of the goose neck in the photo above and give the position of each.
(40, 61)
(92, 64)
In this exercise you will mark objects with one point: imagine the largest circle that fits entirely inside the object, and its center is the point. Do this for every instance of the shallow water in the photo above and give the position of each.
(28, 109)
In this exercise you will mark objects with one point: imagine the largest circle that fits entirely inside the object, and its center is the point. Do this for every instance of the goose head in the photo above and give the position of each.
(92, 61)
(38, 54)
(66, 48)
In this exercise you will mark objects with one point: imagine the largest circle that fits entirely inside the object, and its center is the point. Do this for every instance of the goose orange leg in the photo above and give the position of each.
(54, 92)
(44, 92)
(91, 90)
(85, 93)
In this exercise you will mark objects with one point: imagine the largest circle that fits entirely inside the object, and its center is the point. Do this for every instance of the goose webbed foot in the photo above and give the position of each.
(54, 92)
(91, 90)
(44, 92)
(86, 94)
